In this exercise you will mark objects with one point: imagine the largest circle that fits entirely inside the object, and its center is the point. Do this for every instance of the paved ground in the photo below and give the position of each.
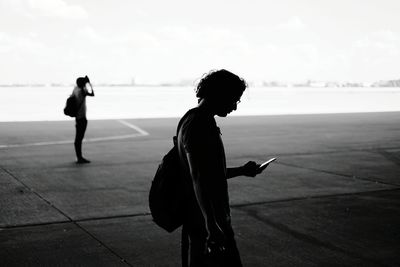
(331, 199)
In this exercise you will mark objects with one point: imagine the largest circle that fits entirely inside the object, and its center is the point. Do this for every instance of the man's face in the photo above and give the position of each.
(227, 105)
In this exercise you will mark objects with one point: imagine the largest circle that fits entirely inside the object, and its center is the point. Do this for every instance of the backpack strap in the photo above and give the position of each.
(184, 233)
(175, 138)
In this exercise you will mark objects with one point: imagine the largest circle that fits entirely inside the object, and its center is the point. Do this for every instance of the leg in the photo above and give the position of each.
(81, 125)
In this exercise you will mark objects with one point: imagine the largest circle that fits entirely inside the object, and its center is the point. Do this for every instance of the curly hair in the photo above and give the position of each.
(218, 84)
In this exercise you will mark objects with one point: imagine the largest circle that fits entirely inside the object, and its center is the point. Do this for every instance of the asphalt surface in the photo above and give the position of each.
(332, 198)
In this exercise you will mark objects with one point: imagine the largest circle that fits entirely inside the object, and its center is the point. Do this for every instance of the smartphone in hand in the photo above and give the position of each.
(265, 164)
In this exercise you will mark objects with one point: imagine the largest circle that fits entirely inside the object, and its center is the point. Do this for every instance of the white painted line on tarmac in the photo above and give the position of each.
(140, 132)
(38, 144)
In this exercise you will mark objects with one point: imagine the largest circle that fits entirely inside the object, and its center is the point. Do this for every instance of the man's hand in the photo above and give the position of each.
(215, 244)
(251, 169)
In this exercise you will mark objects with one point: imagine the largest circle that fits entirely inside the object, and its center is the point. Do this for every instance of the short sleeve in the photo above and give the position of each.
(197, 136)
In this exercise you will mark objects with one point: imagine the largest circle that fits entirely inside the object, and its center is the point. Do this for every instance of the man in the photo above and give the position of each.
(80, 92)
(207, 223)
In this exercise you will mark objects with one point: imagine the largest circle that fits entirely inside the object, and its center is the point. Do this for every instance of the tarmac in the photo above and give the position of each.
(332, 198)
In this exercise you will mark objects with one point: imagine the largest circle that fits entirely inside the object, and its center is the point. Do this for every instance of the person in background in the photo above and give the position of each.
(207, 232)
(80, 92)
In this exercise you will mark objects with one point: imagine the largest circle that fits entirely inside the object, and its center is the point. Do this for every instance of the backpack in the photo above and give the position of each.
(71, 106)
(166, 197)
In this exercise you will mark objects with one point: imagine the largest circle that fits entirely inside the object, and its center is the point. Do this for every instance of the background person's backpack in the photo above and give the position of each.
(166, 200)
(71, 106)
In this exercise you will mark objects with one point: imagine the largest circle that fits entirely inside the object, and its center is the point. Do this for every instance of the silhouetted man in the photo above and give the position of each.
(207, 223)
(80, 92)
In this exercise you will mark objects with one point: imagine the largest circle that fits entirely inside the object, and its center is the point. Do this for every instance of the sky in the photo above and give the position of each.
(45, 41)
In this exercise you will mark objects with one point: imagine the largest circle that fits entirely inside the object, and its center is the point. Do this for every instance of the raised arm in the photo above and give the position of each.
(91, 93)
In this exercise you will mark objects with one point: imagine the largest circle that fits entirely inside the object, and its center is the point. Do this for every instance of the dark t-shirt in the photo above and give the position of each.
(200, 136)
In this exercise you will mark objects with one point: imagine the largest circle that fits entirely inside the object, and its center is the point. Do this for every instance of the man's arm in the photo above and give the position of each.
(249, 169)
(202, 187)
(91, 93)
(234, 172)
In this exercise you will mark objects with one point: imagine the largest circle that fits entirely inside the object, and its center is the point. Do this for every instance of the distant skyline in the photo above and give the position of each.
(44, 41)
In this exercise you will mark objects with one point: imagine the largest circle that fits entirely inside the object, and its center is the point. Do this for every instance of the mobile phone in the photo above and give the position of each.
(265, 164)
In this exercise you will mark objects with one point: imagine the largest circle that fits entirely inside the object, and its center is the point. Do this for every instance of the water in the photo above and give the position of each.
(47, 103)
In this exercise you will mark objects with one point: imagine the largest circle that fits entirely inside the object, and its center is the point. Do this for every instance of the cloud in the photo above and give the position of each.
(89, 34)
(294, 23)
(57, 8)
(15, 8)
(44, 8)
(384, 42)
(21, 44)
(195, 39)
(5, 45)
(386, 35)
